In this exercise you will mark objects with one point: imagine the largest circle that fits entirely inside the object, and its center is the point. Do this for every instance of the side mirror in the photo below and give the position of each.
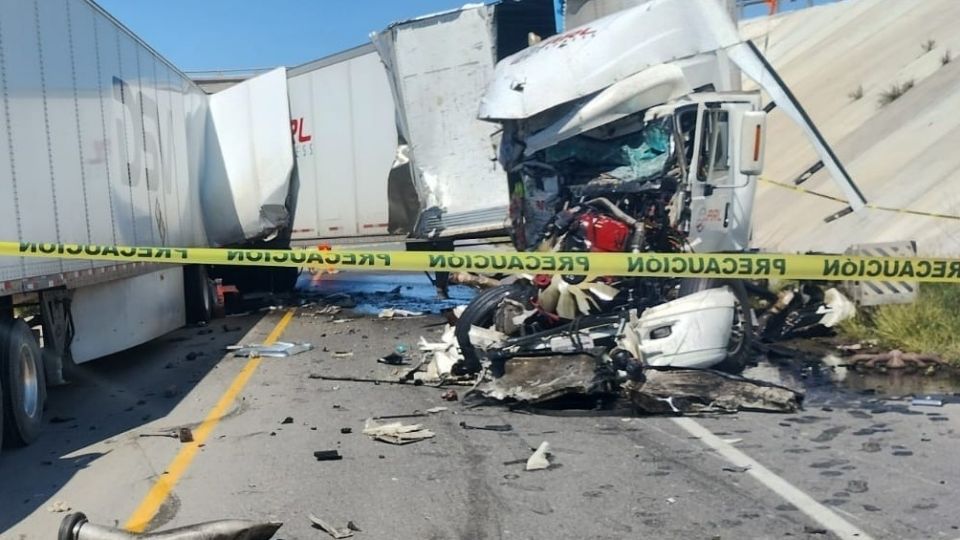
(753, 136)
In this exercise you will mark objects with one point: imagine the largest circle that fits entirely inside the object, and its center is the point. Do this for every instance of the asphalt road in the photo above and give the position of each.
(851, 462)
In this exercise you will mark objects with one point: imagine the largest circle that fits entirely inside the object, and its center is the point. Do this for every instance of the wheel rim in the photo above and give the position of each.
(29, 383)
(737, 330)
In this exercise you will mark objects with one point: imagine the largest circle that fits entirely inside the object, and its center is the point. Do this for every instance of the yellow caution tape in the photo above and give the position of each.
(868, 205)
(728, 266)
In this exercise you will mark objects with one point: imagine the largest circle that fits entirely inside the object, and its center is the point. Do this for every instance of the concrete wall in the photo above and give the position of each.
(905, 154)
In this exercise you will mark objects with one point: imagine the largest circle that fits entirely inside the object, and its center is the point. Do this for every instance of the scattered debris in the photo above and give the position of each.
(342, 354)
(327, 310)
(335, 532)
(227, 328)
(394, 313)
(928, 401)
(435, 410)
(346, 430)
(76, 527)
(677, 391)
(393, 359)
(538, 461)
(736, 469)
(61, 419)
(191, 356)
(327, 455)
(287, 420)
(396, 432)
(671, 500)
(341, 321)
(450, 395)
(184, 435)
(543, 378)
(489, 427)
(280, 349)
(58, 507)
(895, 359)
(805, 311)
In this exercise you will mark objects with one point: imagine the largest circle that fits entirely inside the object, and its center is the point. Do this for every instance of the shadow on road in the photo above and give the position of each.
(106, 398)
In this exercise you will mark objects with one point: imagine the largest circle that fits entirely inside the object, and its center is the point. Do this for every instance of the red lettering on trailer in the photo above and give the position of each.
(296, 128)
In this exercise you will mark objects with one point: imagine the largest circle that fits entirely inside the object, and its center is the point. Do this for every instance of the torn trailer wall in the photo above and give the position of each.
(439, 66)
(248, 161)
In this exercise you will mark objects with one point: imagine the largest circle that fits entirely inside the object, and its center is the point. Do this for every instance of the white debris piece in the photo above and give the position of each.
(393, 313)
(396, 432)
(836, 309)
(538, 461)
(280, 349)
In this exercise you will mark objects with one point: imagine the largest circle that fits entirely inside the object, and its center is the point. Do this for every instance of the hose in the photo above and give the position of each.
(76, 527)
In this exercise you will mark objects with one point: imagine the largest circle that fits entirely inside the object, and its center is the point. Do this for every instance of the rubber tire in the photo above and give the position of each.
(198, 294)
(736, 359)
(20, 428)
(479, 312)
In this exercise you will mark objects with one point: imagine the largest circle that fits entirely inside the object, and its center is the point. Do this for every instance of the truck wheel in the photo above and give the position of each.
(199, 295)
(741, 336)
(23, 382)
(480, 312)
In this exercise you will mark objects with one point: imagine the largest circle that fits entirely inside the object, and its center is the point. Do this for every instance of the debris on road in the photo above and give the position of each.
(805, 311)
(435, 410)
(58, 507)
(393, 359)
(895, 359)
(539, 461)
(676, 391)
(544, 378)
(184, 435)
(927, 401)
(346, 430)
(280, 349)
(342, 354)
(396, 432)
(345, 532)
(76, 527)
(327, 455)
(736, 469)
(287, 420)
(490, 427)
(395, 313)
(449, 395)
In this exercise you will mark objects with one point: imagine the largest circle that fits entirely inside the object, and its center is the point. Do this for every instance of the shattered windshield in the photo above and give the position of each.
(641, 154)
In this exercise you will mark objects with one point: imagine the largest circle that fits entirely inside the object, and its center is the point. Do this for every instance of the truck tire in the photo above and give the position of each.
(741, 338)
(199, 295)
(480, 312)
(23, 382)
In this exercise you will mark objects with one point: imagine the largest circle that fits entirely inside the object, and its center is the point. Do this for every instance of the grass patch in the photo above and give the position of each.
(931, 325)
(893, 93)
(856, 94)
(928, 45)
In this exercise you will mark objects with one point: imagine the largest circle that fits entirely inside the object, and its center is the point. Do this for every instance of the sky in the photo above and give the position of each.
(201, 35)
(239, 34)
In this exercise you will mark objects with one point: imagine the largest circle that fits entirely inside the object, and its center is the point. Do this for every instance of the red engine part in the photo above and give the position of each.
(604, 233)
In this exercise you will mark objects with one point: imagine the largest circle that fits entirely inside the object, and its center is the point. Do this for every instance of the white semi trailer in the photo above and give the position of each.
(102, 141)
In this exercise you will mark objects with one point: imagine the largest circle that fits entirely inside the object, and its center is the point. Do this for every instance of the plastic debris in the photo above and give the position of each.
(538, 461)
(335, 532)
(396, 432)
(280, 349)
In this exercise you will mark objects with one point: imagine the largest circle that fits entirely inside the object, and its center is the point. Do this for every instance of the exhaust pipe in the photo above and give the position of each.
(76, 527)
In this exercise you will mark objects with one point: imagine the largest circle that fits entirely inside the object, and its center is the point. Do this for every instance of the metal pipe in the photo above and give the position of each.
(76, 527)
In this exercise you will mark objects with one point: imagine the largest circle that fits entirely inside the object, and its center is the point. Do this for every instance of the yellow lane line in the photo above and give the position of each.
(161, 489)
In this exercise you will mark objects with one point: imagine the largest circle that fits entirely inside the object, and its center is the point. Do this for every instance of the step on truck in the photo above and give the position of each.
(102, 141)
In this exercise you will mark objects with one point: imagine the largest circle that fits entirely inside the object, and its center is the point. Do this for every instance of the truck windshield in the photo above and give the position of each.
(636, 155)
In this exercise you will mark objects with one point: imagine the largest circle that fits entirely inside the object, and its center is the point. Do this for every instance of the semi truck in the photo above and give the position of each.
(388, 146)
(103, 141)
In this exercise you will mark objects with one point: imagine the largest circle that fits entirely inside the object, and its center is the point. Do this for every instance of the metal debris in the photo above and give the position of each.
(539, 461)
(76, 527)
(678, 391)
(280, 349)
(927, 401)
(396, 432)
(537, 379)
(489, 427)
(335, 532)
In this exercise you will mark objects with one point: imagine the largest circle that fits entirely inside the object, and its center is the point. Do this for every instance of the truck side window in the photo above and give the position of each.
(714, 144)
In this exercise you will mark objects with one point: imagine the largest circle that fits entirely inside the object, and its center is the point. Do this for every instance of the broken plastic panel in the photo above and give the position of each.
(280, 349)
